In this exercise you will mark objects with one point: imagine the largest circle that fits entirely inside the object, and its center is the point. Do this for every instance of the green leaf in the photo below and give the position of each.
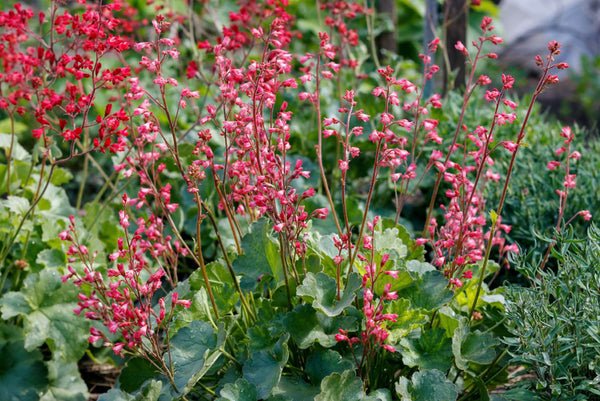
(263, 369)
(194, 349)
(341, 387)
(418, 267)
(414, 252)
(493, 216)
(428, 292)
(475, 347)
(261, 256)
(267, 329)
(520, 394)
(321, 364)
(430, 349)
(306, 327)
(241, 390)
(408, 319)
(321, 290)
(404, 280)
(389, 241)
(46, 305)
(292, 388)
(426, 385)
(22, 373)
(225, 295)
(65, 384)
(151, 391)
(16, 204)
(381, 394)
(61, 176)
(18, 151)
(135, 373)
(448, 320)
(52, 258)
(481, 389)
(199, 310)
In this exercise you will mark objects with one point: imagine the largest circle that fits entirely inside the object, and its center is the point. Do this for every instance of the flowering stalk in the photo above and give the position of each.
(124, 304)
(374, 335)
(488, 36)
(569, 183)
(545, 80)
(31, 84)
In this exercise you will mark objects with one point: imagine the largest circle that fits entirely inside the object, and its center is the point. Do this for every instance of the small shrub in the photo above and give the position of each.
(554, 322)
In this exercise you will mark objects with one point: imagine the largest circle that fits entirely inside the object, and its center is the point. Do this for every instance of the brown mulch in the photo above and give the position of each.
(99, 377)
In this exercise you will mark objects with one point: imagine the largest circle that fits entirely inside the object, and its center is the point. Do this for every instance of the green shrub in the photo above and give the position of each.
(555, 322)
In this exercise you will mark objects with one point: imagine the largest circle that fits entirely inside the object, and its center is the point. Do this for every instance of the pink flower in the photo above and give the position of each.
(510, 145)
(391, 273)
(118, 348)
(388, 348)
(586, 215)
(320, 213)
(570, 181)
(575, 155)
(461, 48)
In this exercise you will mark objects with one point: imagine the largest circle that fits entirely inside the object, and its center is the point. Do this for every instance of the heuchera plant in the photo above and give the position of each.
(221, 281)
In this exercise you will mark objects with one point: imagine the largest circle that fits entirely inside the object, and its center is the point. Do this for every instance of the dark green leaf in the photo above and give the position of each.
(151, 391)
(428, 292)
(429, 349)
(341, 387)
(472, 347)
(321, 290)
(306, 327)
(291, 388)
(322, 364)
(520, 394)
(65, 384)
(22, 373)
(241, 390)
(194, 349)
(263, 369)
(261, 256)
(46, 305)
(136, 372)
(426, 385)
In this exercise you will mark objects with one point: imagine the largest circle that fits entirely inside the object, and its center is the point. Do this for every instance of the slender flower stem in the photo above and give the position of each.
(468, 92)
(540, 86)
(324, 180)
(9, 153)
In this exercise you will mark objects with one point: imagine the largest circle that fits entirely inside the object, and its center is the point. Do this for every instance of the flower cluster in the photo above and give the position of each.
(123, 303)
(570, 180)
(58, 89)
(375, 333)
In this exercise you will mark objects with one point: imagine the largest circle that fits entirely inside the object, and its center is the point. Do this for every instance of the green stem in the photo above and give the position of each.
(84, 175)
(36, 198)
(234, 280)
(200, 258)
(9, 154)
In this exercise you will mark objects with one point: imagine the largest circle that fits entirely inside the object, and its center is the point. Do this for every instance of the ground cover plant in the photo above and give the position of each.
(228, 201)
